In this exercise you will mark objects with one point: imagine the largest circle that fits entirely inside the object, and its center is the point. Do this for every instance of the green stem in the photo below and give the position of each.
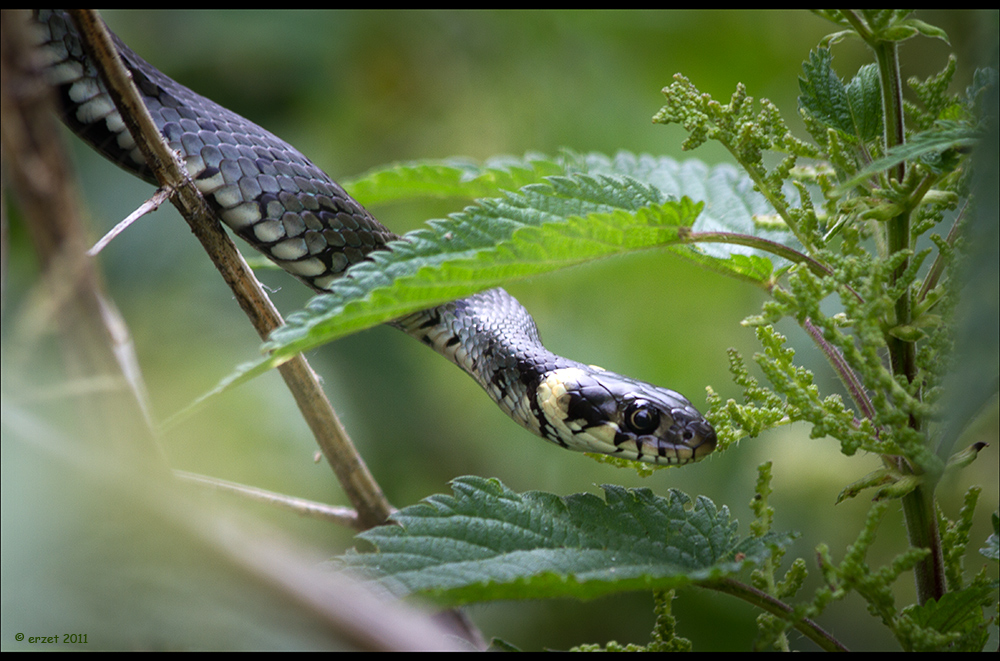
(843, 369)
(922, 529)
(757, 242)
(766, 602)
(918, 505)
(764, 245)
(902, 354)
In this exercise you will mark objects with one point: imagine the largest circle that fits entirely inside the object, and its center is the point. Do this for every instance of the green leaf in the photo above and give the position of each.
(487, 542)
(920, 27)
(958, 616)
(823, 94)
(882, 25)
(543, 227)
(876, 478)
(864, 98)
(453, 177)
(855, 110)
(602, 207)
(731, 203)
(936, 148)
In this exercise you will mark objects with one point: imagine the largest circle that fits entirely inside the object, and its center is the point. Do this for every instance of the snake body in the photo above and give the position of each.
(280, 203)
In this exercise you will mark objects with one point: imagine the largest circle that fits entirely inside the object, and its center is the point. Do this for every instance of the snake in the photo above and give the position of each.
(270, 195)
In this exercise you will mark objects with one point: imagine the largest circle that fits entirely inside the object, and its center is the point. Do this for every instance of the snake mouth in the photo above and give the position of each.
(694, 441)
(700, 436)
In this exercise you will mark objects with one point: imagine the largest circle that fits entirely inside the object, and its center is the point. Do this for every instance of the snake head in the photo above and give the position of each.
(592, 410)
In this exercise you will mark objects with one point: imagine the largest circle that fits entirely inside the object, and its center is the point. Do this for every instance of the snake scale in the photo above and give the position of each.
(274, 198)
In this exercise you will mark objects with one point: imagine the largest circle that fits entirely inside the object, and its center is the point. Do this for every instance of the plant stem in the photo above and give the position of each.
(918, 505)
(843, 369)
(766, 602)
(759, 243)
(902, 353)
(922, 528)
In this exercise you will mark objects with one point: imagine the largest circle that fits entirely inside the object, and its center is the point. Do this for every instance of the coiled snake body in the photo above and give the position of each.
(294, 213)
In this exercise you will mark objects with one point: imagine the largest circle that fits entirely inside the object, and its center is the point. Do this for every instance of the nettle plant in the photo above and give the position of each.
(859, 235)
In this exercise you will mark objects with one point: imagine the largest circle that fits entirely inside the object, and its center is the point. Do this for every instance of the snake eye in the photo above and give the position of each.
(642, 418)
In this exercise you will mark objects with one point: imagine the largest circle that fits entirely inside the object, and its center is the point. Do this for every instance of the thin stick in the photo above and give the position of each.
(343, 516)
(149, 206)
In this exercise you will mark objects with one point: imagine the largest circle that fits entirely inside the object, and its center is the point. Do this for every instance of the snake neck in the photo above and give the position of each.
(491, 337)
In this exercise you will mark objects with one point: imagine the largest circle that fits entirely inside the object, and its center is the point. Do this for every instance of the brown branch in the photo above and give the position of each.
(359, 485)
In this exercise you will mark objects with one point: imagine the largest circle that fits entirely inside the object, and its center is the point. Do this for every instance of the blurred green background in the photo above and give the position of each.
(355, 90)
